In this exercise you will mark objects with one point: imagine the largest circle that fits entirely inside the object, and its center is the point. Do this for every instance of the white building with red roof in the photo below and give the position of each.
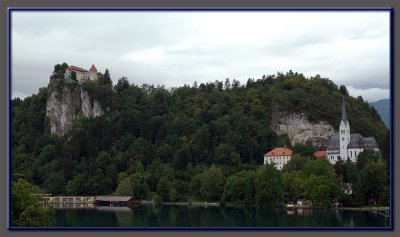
(280, 156)
(81, 74)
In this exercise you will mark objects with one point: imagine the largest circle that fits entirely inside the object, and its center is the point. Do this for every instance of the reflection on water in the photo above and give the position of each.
(196, 216)
(113, 208)
(299, 211)
(303, 211)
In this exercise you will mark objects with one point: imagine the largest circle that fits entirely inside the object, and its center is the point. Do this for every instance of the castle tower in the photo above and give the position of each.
(344, 134)
(93, 72)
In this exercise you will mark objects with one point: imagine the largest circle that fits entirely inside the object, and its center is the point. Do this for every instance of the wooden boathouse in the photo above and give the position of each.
(116, 201)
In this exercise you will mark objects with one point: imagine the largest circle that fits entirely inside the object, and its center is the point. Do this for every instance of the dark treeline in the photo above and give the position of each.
(199, 142)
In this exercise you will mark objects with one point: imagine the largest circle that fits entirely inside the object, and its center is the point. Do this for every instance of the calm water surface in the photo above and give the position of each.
(198, 216)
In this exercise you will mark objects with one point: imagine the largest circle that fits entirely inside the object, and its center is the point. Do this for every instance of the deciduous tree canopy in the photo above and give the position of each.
(206, 141)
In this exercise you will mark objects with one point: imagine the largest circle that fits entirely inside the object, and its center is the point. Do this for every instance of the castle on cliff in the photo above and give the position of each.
(348, 145)
(81, 74)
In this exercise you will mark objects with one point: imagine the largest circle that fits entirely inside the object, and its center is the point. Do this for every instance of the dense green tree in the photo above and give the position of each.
(181, 158)
(140, 186)
(341, 170)
(384, 197)
(319, 167)
(343, 90)
(321, 195)
(106, 79)
(297, 162)
(99, 184)
(73, 76)
(55, 183)
(374, 181)
(359, 198)
(212, 184)
(352, 172)
(182, 189)
(134, 166)
(59, 69)
(239, 188)
(24, 207)
(320, 182)
(155, 170)
(142, 151)
(122, 85)
(195, 185)
(268, 185)
(292, 183)
(385, 149)
(367, 156)
(225, 155)
(106, 164)
(304, 150)
(163, 188)
(77, 186)
(124, 187)
(321, 189)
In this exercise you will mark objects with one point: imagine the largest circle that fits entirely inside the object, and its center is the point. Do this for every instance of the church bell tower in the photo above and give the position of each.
(344, 134)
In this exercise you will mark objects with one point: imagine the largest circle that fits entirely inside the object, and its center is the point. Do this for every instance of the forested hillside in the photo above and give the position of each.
(175, 143)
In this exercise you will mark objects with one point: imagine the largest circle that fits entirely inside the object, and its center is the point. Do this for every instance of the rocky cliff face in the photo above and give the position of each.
(300, 130)
(66, 101)
(89, 109)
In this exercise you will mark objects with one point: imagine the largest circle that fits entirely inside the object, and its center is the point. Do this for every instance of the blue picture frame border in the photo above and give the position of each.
(163, 9)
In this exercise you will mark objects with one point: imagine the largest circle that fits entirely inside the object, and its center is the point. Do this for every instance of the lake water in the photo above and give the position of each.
(199, 216)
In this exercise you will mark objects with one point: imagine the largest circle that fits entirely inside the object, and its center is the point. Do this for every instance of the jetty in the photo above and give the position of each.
(72, 201)
(66, 199)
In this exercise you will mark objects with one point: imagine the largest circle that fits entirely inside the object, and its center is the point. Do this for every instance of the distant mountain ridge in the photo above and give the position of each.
(383, 109)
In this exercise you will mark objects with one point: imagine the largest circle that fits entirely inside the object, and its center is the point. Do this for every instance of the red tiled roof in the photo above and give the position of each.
(280, 151)
(320, 154)
(75, 68)
(93, 68)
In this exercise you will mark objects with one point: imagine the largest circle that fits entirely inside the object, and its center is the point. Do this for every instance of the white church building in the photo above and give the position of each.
(348, 145)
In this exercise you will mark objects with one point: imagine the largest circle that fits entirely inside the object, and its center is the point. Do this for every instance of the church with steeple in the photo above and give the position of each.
(346, 145)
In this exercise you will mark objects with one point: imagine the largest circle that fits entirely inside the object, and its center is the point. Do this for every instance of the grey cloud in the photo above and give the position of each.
(174, 48)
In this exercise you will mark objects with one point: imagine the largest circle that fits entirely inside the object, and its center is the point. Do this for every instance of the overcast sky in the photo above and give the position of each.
(174, 48)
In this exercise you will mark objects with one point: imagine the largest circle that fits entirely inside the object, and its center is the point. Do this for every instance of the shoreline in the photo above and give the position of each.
(364, 208)
(215, 204)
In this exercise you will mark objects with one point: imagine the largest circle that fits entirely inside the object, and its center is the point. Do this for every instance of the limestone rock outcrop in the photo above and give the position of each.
(300, 130)
(65, 102)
